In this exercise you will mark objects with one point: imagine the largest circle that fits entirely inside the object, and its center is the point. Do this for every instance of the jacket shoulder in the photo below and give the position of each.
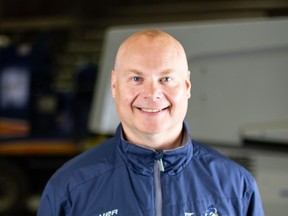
(218, 162)
(87, 166)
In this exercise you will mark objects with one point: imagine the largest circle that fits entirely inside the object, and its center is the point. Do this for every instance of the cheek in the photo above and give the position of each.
(178, 95)
(127, 95)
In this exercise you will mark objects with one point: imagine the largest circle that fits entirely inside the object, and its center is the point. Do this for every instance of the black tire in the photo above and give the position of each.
(13, 188)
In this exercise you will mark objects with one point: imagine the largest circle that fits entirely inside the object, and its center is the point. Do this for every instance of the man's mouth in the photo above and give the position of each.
(148, 110)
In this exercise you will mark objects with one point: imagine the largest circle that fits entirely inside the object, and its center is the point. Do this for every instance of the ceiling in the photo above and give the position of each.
(16, 9)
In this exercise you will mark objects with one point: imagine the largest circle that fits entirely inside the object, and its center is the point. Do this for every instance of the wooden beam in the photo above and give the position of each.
(41, 23)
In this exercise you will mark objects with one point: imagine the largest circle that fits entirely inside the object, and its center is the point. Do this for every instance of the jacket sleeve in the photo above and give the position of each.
(254, 203)
(51, 204)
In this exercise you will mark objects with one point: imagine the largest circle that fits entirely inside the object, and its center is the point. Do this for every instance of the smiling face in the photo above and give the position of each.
(151, 86)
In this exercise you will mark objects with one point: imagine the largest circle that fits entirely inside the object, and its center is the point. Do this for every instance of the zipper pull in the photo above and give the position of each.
(161, 166)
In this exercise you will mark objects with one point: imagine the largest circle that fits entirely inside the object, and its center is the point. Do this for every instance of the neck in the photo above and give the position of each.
(157, 141)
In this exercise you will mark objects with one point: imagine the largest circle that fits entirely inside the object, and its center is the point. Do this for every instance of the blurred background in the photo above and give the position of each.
(53, 55)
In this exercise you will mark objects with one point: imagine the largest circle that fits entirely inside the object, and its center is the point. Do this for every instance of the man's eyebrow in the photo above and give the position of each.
(168, 71)
(137, 72)
(140, 73)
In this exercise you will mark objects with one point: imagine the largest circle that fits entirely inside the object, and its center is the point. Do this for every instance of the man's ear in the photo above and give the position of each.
(113, 83)
(188, 84)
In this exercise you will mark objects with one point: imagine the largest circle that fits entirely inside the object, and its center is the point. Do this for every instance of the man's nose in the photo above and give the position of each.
(152, 91)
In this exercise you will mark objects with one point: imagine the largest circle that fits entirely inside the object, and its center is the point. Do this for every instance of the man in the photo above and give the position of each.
(151, 166)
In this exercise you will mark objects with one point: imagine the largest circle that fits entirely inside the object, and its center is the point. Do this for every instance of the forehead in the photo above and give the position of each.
(140, 62)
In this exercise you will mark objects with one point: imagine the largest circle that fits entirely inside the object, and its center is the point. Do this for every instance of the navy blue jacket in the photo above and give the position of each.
(123, 179)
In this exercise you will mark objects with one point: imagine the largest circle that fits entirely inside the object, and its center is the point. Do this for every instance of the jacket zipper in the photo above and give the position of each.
(158, 168)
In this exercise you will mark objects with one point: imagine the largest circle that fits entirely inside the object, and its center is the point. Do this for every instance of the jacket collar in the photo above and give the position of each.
(142, 160)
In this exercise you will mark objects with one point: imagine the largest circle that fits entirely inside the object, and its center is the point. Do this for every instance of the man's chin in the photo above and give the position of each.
(152, 130)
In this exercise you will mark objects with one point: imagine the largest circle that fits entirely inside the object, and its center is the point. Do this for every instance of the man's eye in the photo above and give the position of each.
(166, 79)
(136, 79)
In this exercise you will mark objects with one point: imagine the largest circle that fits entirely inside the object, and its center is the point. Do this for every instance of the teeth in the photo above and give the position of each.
(150, 110)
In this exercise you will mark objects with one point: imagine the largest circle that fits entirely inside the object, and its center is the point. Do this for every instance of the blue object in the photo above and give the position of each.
(120, 178)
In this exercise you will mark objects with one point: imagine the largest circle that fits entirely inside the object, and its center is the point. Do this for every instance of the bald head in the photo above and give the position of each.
(149, 42)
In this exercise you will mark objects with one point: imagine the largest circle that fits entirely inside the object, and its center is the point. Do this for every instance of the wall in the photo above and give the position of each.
(239, 76)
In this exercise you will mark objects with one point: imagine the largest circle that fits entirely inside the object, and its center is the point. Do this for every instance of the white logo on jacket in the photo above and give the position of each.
(110, 213)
